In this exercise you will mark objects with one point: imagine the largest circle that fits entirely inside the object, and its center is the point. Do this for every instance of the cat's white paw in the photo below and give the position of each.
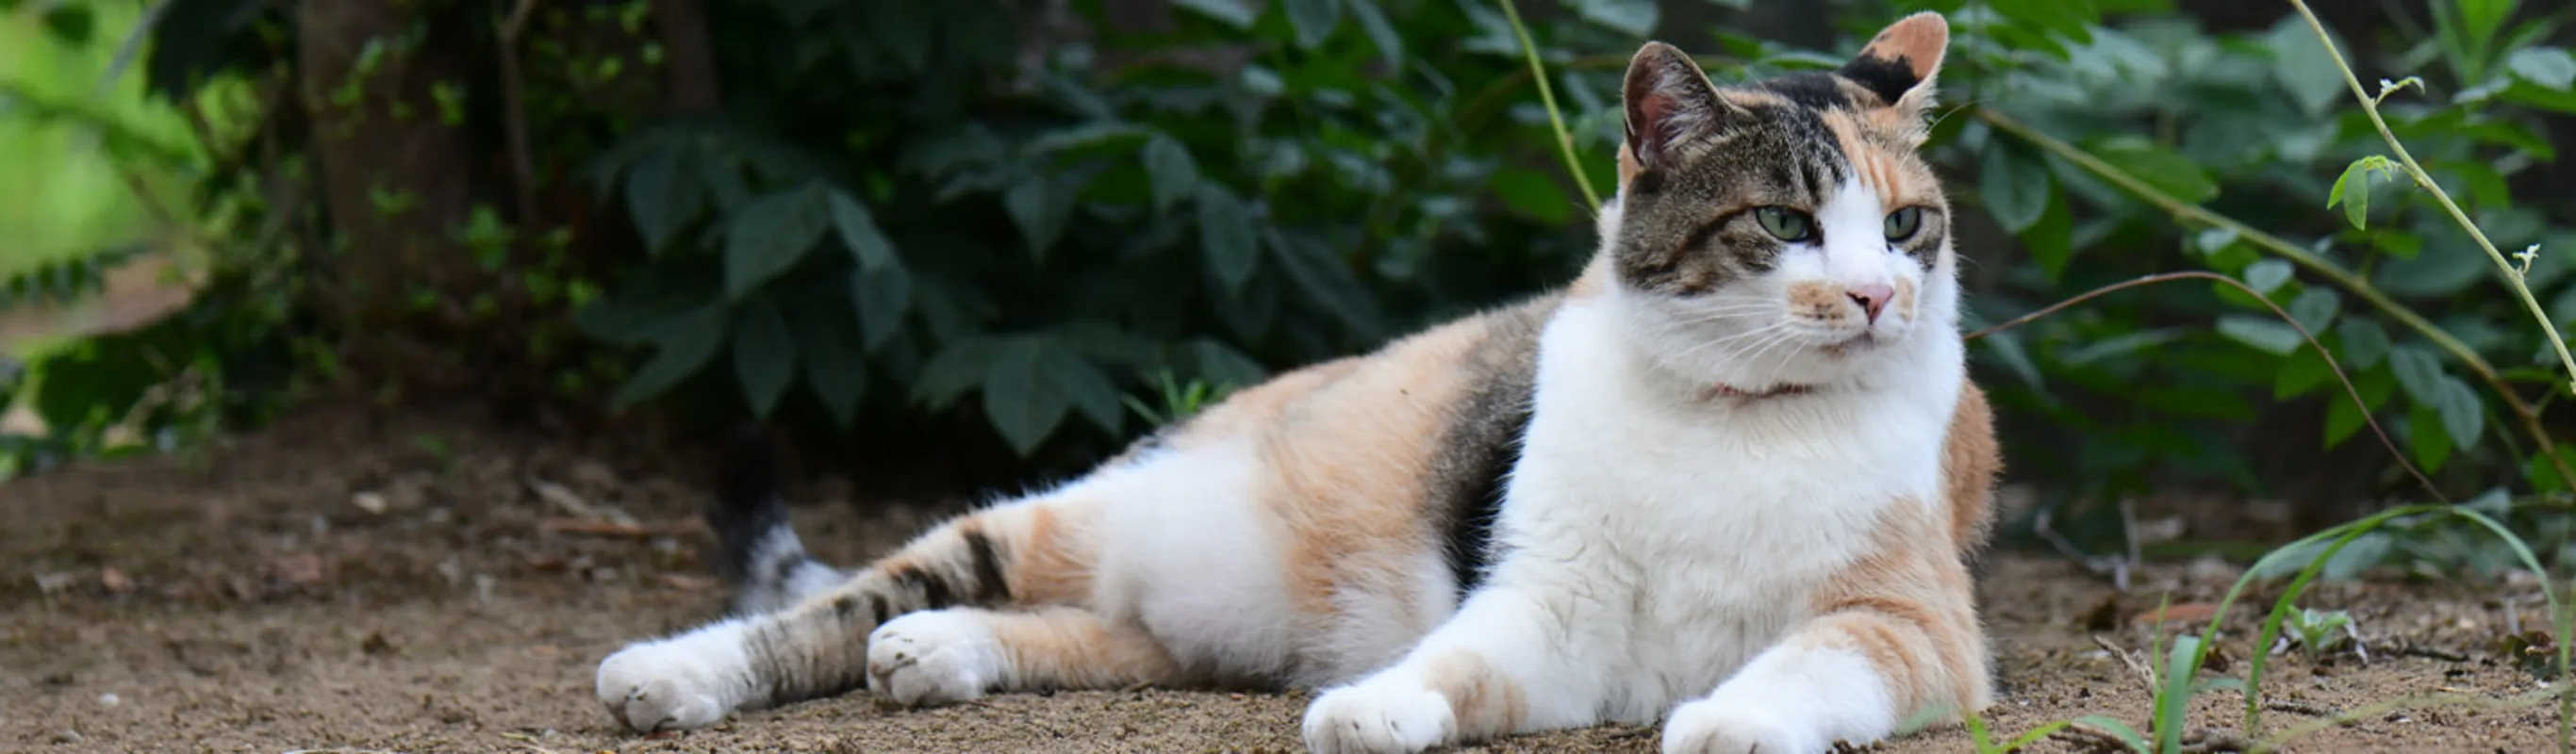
(672, 685)
(1376, 718)
(932, 658)
(1709, 727)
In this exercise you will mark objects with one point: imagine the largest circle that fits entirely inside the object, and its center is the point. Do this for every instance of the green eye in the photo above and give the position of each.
(1902, 224)
(1786, 224)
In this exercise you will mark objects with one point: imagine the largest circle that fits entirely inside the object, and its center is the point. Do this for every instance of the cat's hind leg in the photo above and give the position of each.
(1027, 553)
(954, 655)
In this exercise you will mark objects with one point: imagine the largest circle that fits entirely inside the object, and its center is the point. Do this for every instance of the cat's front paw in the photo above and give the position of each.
(1708, 727)
(933, 658)
(1377, 718)
(666, 686)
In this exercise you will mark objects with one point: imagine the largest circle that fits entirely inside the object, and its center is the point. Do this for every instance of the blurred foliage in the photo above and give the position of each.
(1044, 217)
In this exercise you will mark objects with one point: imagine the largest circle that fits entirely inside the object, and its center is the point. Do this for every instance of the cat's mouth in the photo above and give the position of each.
(1861, 343)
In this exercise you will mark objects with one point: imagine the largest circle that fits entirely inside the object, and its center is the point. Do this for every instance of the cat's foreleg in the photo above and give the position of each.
(1887, 646)
(1510, 660)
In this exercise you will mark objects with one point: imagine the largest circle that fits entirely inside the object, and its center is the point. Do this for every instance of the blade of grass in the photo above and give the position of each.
(1555, 116)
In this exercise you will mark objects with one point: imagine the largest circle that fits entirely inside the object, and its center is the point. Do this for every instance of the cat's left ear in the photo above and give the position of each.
(1900, 63)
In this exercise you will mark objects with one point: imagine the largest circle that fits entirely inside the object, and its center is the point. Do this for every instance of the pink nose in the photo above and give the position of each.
(1872, 298)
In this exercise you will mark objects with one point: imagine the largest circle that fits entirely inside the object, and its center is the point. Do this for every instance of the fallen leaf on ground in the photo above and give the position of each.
(115, 581)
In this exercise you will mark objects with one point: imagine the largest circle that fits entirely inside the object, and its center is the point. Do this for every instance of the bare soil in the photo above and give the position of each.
(430, 585)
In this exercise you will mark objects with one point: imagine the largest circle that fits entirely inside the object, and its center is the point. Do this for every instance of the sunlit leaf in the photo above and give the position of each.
(2016, 188)
(2462, 415)
(2263, 333)
(2267, 276)
(1313, 20)
(2364, 343)
(2419, 372)
(1234, 13)
(2547, 66)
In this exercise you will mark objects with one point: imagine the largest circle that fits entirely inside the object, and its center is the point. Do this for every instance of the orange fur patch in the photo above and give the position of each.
(1919, 40)
(1484, 702)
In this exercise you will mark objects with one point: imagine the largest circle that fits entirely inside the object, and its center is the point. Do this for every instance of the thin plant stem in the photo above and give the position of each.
(2323, 267)
(2513, 277)
(2370, 107)
(1547, 96)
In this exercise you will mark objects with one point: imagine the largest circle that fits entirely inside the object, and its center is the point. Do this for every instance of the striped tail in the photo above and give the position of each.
(760, 556)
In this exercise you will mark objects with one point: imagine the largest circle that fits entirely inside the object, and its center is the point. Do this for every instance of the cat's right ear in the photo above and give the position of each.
(1669, 104)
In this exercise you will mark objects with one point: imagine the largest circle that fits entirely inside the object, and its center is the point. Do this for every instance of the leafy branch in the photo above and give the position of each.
(2370, 106)
(2514, 276)
(2343, 278)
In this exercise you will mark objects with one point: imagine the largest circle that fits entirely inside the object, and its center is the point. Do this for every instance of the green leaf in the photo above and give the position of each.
(2352, 190)
(2168, 171)
(1228, 238)
(2419, 372)
(2302, 372)
(2016, 188)
(2543, 474)
(71, 23)
(2303, 67)
(1021, 403)
(1039, 207)
(685, 342)
(958, 367)
(2343, 418)
(2263, 333)
(2462, 416)
(1082, 382)
(2051, 241)
(2121, 345)
(1313, 20)
(1219, 364)
(1173, 174)
(882, 297)
(836, 364)
(771, 235)
(2424, 432)
(2364, 343)
(859, 232)
(1373, 23)
(764, 355)
(1635, 18)
(2315, 309)
(2549, 67)
(1234, 13)
(2117, 729)
(1532, 193)
(2358, 555)
(659, 200)
(2267, 275)
(1326, 279)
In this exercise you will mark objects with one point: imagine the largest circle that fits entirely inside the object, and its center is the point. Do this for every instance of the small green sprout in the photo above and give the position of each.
(2321, 631)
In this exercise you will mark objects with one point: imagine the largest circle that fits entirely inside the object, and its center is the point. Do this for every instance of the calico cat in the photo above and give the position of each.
(1729, 479)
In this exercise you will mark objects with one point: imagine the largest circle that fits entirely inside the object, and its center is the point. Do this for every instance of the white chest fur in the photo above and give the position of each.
(1684, 535)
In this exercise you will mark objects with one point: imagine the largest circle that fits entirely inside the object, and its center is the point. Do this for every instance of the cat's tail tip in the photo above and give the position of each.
(759, 554)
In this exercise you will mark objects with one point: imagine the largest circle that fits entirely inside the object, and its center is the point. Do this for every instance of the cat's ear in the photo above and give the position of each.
(1669, 104)
(1900, 63)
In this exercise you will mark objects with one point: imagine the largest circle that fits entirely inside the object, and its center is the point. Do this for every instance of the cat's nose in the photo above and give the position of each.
(1872, 298)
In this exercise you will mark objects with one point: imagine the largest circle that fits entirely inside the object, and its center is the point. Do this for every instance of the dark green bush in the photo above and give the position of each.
(1046, 218)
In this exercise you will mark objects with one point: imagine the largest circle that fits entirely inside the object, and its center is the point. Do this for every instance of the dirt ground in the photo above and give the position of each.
(425, 585)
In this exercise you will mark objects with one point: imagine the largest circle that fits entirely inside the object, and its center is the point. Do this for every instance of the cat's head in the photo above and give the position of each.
(1784, 231)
